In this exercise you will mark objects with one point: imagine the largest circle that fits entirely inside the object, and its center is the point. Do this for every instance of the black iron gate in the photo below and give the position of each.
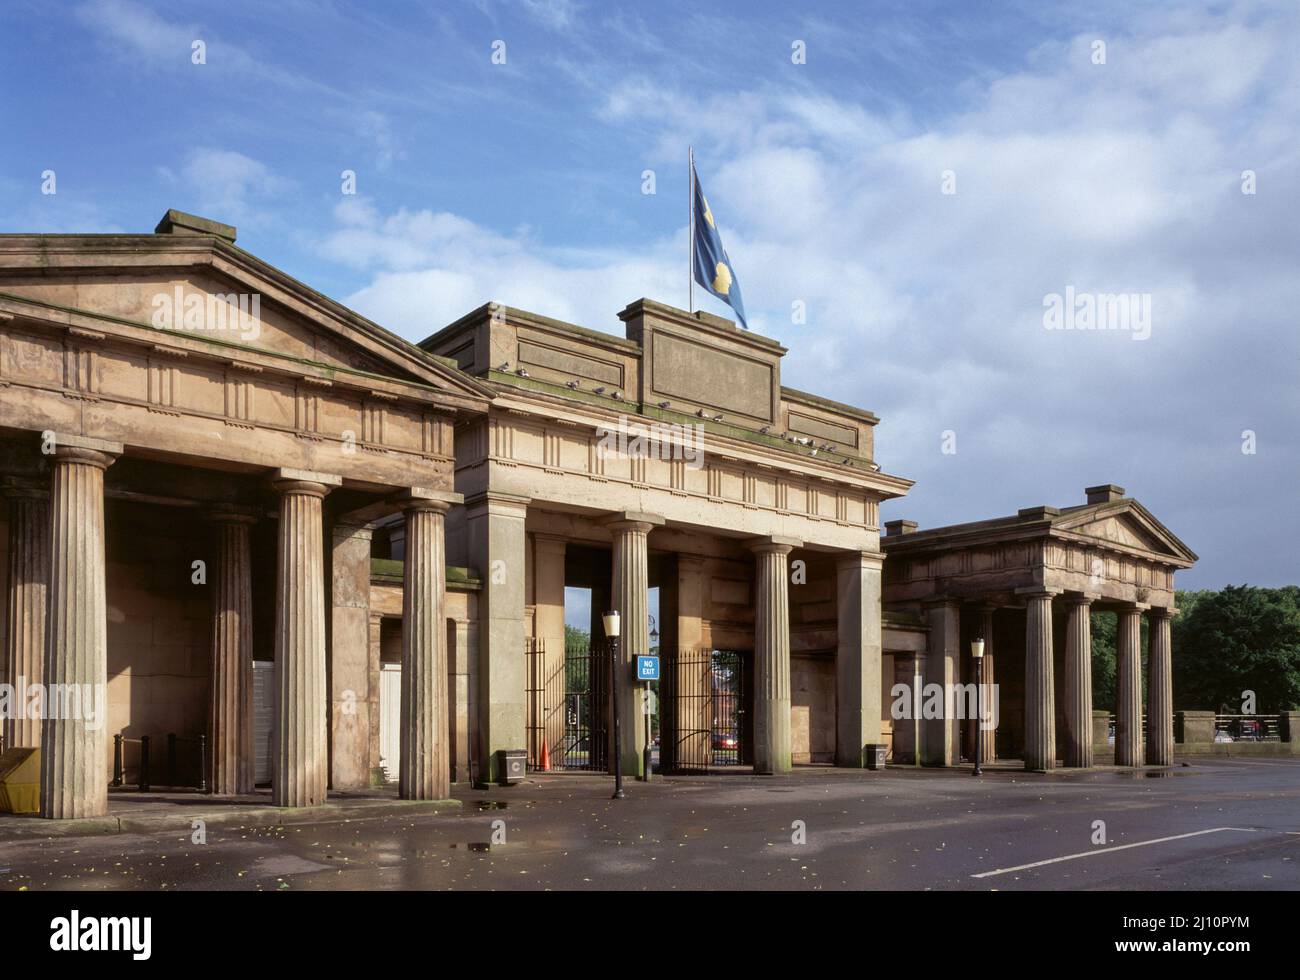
(703, 708)
(568, 699)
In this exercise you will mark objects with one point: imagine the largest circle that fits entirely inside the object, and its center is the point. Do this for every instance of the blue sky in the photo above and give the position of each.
(522, 182)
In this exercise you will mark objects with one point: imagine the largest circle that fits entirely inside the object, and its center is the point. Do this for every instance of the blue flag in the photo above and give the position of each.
(713, 268)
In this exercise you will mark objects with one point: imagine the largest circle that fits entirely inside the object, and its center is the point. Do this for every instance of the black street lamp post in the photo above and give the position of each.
(611, 620)
(977, 654)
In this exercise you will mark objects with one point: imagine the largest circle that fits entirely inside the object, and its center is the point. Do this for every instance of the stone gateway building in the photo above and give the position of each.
(322, 557)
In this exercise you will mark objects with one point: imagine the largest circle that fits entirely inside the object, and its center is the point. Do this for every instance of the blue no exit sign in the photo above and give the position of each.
(647, 668)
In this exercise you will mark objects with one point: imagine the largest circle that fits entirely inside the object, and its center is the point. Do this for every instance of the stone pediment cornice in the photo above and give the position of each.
(74, 254)
(1075, 522)
(1071, 524)
(104, 331)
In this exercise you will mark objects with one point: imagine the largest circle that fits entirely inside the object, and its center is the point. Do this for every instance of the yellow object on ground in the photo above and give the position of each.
(20, 781)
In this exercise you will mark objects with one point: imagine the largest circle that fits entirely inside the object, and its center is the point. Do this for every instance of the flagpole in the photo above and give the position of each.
(690, 265)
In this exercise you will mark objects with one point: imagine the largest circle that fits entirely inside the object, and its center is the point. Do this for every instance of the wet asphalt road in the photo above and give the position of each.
(1235, 824)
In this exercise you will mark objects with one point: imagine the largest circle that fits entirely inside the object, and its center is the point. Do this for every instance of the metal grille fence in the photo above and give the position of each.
(702, 707)
(568, 703)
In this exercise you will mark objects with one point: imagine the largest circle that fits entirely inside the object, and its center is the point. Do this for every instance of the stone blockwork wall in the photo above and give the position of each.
(812, 708)
(159, 622)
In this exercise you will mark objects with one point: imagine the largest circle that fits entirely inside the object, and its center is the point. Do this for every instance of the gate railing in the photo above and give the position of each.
(193, 771)
(701, 708)
(1247, 728)
(568, 703)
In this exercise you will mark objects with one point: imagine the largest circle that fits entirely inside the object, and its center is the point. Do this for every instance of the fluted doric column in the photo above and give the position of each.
(74, 757)
(1078, 682)
(858, 657)
(991, 707)
(29, 578)
(1128, 683)
(631, 597)
(301, 743)
(230, 695)
(1040, 695)
(942, 735)
(1160, 689)
(772, 656)
(986, 723)
(425, 768)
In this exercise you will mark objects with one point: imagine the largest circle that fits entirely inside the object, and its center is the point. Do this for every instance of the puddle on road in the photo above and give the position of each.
(492, 804)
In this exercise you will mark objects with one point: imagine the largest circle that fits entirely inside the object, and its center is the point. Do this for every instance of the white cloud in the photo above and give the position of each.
(555, 14)
(433, 267)
(231, 187)
(140, 33)
(140, 37)
(927, 308)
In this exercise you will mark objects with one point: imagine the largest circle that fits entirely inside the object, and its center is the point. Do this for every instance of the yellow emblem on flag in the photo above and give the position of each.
(721, 277)
(708, 215)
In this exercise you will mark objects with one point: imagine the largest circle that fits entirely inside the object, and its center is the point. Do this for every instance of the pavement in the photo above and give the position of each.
(134, 812)
(1210, 824)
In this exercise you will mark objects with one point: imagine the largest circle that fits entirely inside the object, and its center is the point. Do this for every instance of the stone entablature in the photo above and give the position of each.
(556, 399)
(708, 372)
(82, 353)
(1003, 569)
(123, 381)
(556, 459)
(1114, 551)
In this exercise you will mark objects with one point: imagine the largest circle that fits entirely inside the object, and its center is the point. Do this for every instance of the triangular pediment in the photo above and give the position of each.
(206, 288)
(1128, 524)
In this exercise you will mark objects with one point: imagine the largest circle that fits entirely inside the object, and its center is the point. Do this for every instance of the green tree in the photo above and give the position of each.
(576, 640)
(577, 670)
(1240, 639)
(1103, 661)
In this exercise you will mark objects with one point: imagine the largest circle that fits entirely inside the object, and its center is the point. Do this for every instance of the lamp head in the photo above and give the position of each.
(611, 620)
(977, 649)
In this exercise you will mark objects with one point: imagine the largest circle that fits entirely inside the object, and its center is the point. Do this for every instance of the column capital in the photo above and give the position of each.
(848, 559)
(552, 542)
(1162, 612)
(232, 514)
(85, 449)
(631, 520)
(1082, 598)
(495, 497)
(306, 482)
(773, 544)
(936, 601)
(1039, 592)
(497, 501)
(360, 529)
(427, 498)
(1132, 607)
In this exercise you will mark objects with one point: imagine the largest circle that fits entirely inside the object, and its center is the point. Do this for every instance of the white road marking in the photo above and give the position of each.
(1110, 850)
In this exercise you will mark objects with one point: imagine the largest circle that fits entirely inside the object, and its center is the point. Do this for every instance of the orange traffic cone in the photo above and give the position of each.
(546, 757)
